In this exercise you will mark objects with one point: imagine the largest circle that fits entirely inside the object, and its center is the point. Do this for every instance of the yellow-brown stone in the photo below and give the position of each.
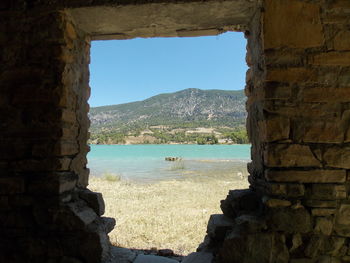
(291, 75)
(326, 94)
(312, 176)
(289, 155)
(323, 211)
(332, 59)
(331, 131)
(282, 20)
(342, 40)
(274, 129)
(273, 203)
(337, 157)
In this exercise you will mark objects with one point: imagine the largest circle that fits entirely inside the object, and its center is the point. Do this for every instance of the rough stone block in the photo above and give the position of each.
(273, 202)
(342, 40)
(312, 176)
(121, 255)
(289, 155)
(68, 116)
(297, 241)
(12, 185)
(282, 20)
(289, 220)
(274, 129)
(291, 75)
(277, 92)
(287, 190)
(317, 131)
(108, 223)
(337, 157)
(199, 257)
(258, 247)
(153, 259)
(324, 226)
(342, 222)
(250, 224)
(315, 246)
(63, 148)
(94, 200)
(334, 246)
(332, 59)
(325, 94)
(323, 211)
(240, 201)
(75, 215)
(320, 203)
(218, 226)
(328, 191)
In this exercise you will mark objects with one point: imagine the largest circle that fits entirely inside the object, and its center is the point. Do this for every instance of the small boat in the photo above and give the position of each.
(172, 159)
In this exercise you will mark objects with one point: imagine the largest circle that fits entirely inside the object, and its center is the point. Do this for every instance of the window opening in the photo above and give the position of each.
(168, 138)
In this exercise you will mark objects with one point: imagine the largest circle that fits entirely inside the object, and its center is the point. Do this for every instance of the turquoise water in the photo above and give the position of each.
(146, 162)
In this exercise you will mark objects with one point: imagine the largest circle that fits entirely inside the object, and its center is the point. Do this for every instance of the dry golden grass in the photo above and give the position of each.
(167, 214)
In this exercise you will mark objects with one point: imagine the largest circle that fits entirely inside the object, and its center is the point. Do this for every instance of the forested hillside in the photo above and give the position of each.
(180, 117)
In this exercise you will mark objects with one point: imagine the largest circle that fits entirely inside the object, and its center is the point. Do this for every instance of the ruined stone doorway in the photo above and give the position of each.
(203, 199)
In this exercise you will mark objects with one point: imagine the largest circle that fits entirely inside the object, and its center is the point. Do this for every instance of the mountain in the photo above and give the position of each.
(189, 108)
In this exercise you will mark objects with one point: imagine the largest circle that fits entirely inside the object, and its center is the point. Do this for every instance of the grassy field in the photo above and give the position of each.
(167, 214)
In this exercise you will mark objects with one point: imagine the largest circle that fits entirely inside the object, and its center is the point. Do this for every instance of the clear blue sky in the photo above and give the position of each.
(129, 70)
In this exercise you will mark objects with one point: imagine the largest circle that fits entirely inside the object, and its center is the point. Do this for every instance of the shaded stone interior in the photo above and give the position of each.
(297, 208)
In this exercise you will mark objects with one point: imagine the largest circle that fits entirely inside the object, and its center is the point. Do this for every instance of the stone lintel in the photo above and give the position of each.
(168, 19)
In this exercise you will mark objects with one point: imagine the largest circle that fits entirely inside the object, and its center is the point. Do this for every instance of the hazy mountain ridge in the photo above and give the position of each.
(191, 106)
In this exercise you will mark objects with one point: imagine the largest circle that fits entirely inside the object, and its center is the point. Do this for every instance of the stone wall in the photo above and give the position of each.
(297, 208)
(298, 86)
(47, 214)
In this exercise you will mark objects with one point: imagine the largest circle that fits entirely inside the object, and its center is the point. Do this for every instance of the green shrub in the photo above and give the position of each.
(111, 177)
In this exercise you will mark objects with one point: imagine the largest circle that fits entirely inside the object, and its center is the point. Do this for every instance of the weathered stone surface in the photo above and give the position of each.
(315, 246)
(342, 222)
(121, 255)
(218, 226)
(323, 211)
(261, 247)
(282, 19)
(287, 190)
(297, 241)
(94, 200)
(332, 59)
(312, 176)
(289, 155)
(198, 257)
(12, 185)
(342, 40)
(272, 202)
(337, 157)
(274, 129)
(240, 201)
(108, 224)
(302, 260)
(289, 220)
(250, 223)
(319, 131)
(328, 192)
(75, 215)
(320, 203)
(334, 246)
(325, 94)
(324, 226)
(291, 75)
(153, 259)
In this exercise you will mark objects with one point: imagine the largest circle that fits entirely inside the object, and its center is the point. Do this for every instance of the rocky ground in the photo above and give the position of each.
(124, 255)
